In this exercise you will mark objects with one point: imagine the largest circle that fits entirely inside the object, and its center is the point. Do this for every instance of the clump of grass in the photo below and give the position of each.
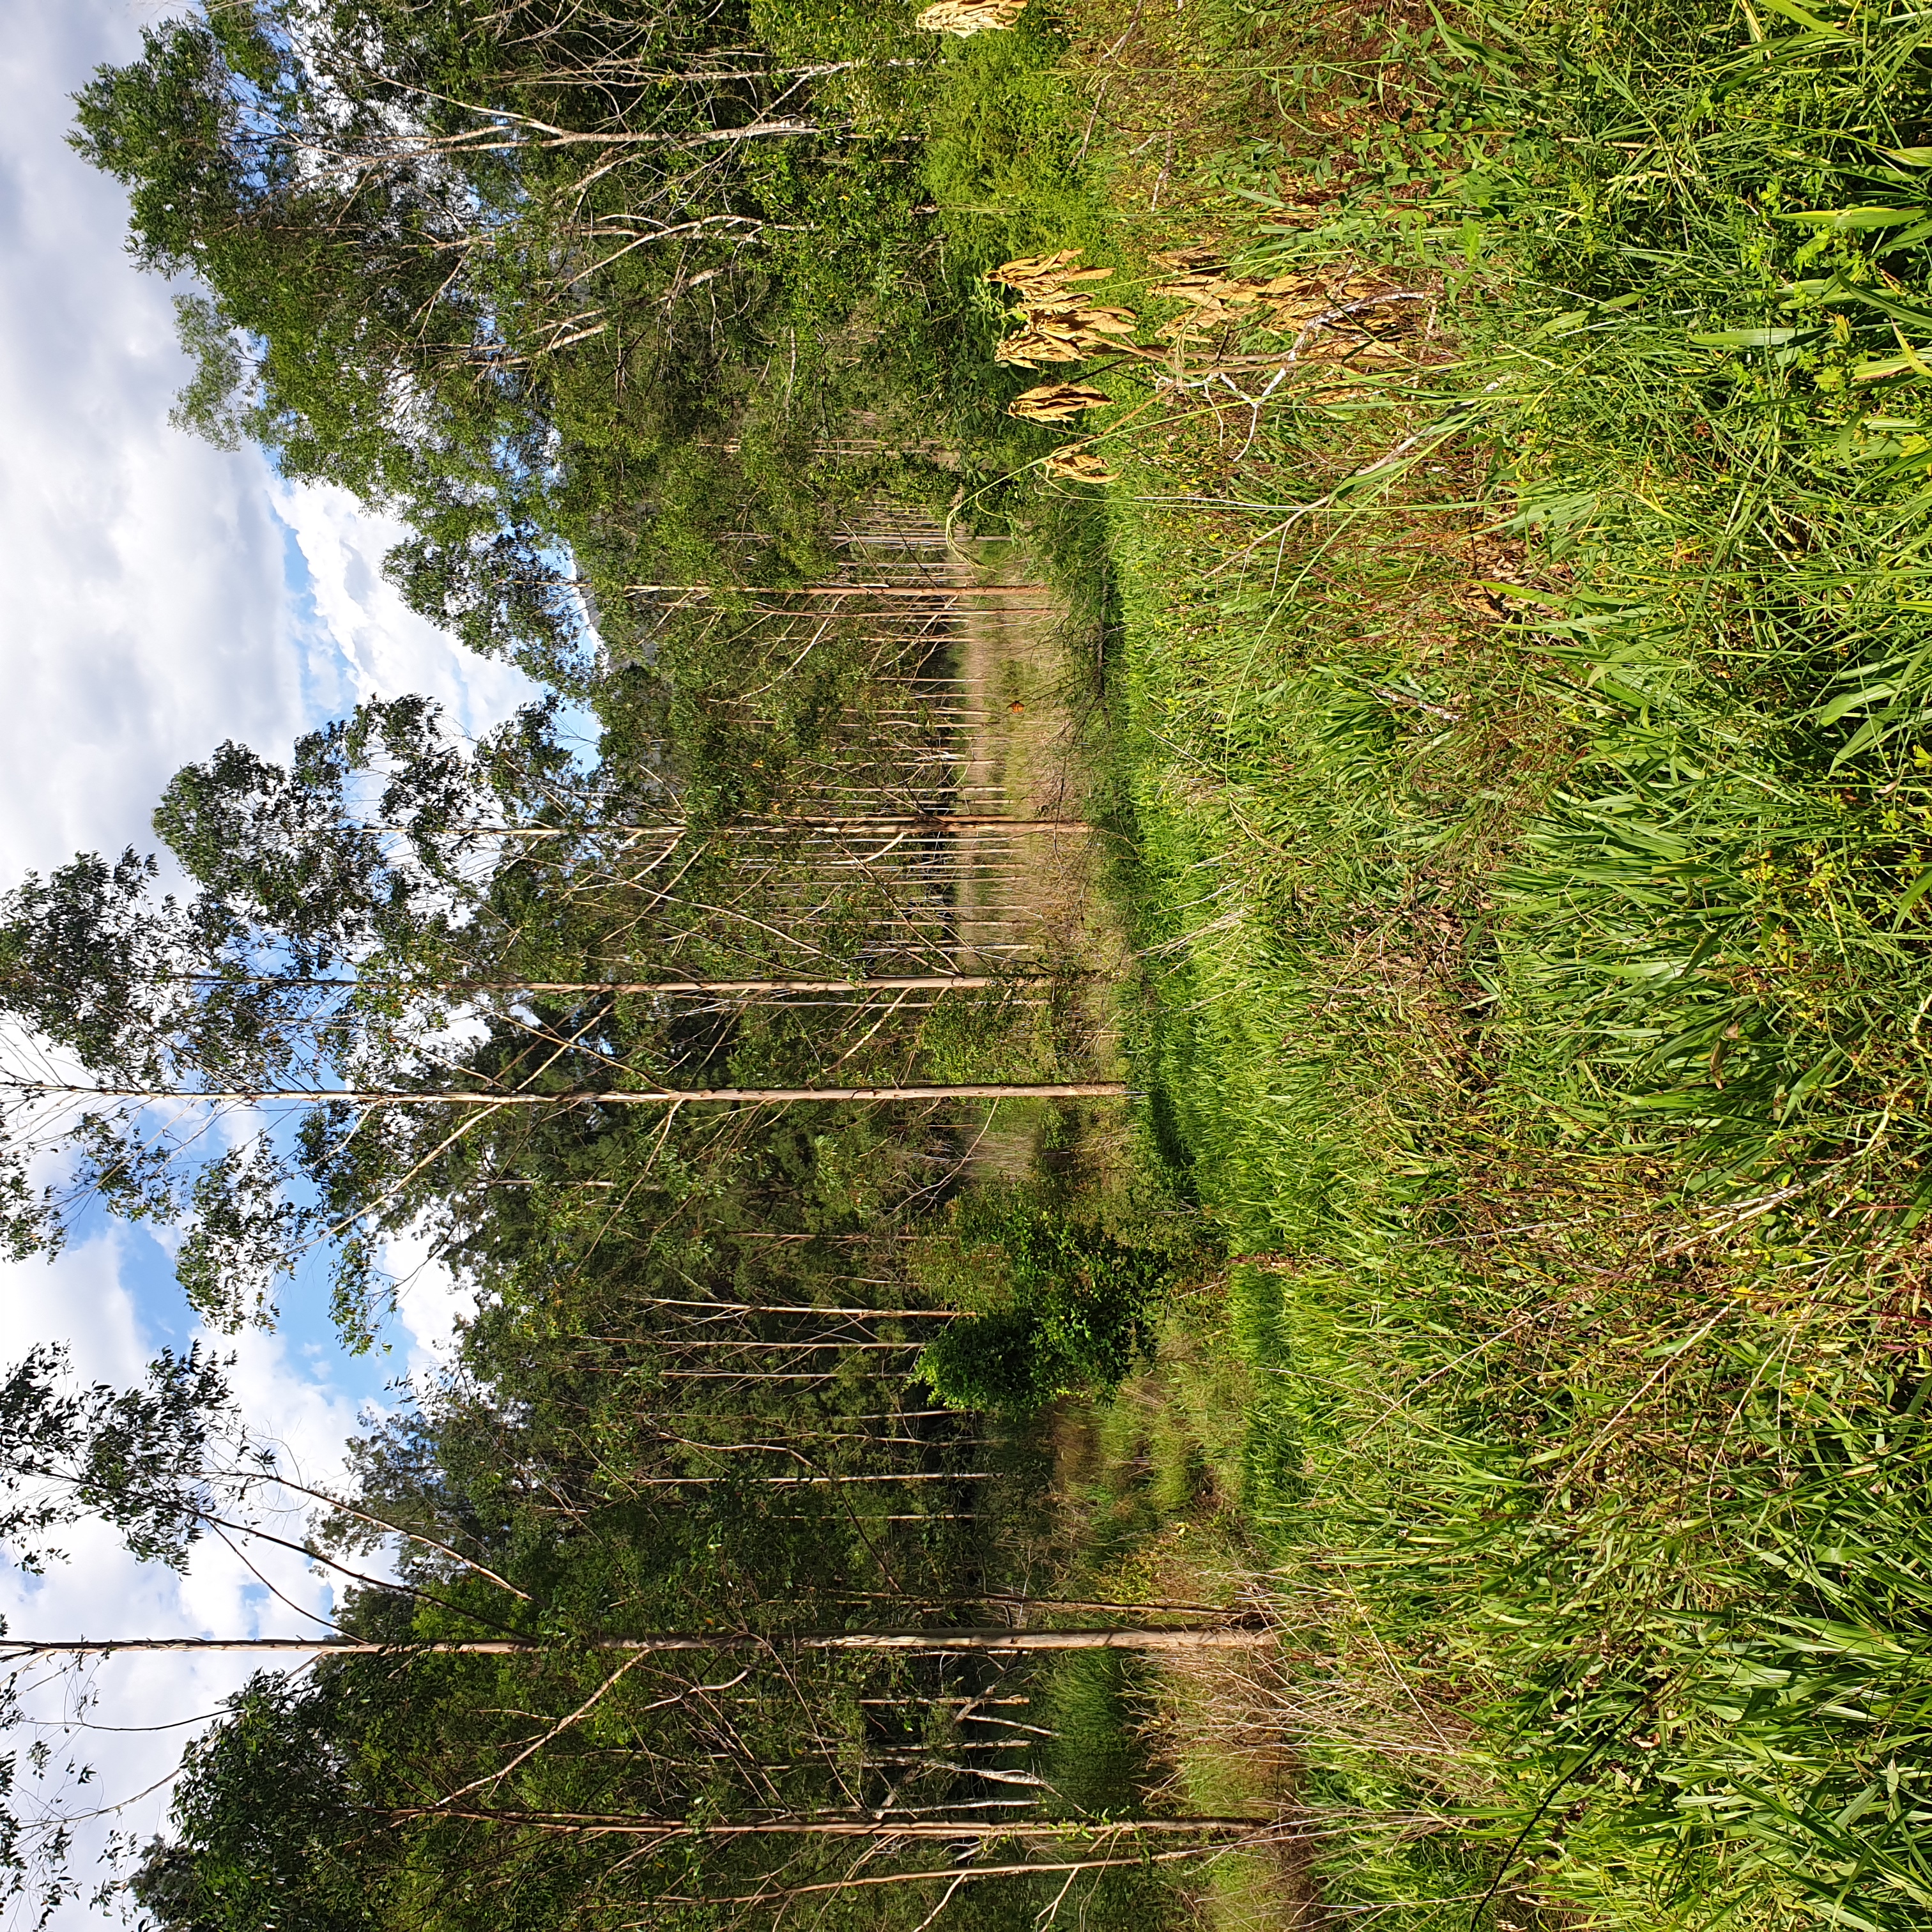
(1693, 271)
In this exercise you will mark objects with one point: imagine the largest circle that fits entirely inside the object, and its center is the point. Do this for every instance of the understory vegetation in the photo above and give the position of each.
(1194, 1153)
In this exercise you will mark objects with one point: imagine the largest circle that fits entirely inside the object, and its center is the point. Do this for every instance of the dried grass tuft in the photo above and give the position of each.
(1352, 316)
(1234, 1729)
(1058, 324)
(1056, 402)
(1079, 465)
(1251, 1712)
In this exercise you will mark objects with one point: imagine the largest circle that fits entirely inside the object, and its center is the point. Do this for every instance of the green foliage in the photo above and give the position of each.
(269, 1791)
(134, 1457)
(613, 1501)
(1074, 1309)
(1098, 1759)
(1003, 157)
(534, 300)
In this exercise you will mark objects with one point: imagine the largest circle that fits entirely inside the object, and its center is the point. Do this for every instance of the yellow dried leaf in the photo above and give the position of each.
(1025, 268)
(1295, 314)
(1187, 288)
(1200, 255)
(1056, 402)
(965, 17)
(1080, 466)
(1031, 347)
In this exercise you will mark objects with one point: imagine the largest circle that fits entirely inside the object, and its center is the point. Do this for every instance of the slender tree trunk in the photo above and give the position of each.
(1202, 1637)
(619, 1823)
(716, 1351)
(665, 1097)
(801, 822)
(498, 137)
(957, 1876)
(779, 1308)
(911, 982)
(937, 1703)
(812, 1482)
(890, 982)
(870, 589)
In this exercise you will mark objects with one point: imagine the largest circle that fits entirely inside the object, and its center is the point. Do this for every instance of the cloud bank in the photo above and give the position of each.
(160, 594)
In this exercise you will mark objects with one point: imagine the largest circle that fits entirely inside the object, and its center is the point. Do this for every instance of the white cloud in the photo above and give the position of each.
(144, 599)
(147, 611)
(361, 620)
(82, 1302)
(430, 1302)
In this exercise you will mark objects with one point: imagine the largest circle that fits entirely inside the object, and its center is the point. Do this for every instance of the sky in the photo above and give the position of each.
(157, 596)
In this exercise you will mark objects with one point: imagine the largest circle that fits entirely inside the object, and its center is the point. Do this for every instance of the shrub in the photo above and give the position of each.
(1077, 1315)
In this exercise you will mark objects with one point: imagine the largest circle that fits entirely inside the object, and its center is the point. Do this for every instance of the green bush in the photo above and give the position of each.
(1076, 1315)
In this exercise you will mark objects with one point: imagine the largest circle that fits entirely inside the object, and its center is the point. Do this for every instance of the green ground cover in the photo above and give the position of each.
(1518, 729)
(1501, 638)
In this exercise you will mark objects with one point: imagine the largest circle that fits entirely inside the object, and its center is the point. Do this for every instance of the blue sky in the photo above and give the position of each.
(159, 595)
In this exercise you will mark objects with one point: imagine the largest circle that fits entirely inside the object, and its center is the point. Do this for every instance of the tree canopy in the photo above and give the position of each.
(640, 319)
(525, 274)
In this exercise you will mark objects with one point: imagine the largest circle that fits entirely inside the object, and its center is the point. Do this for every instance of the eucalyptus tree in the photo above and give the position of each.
(405, 209)
(123, 999)
(504, 268)
(135, 1457)
(635, 1698)
(410, 965)
(361, 1797)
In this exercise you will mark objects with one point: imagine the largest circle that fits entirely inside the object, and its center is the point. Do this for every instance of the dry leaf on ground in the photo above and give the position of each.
(1057, 325)
(1056, 402)
(1079, 466)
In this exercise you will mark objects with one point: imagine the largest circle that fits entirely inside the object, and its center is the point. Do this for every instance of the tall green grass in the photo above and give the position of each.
(1543, 996)
(1691, 244)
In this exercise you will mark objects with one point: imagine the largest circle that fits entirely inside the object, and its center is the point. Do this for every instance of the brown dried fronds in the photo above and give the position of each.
(1121, 322)
(1355, 317)
(1078, 464)
(1056, 402)
(1032, 346)
(1047, 340)
(1058, 324)
(1045, 278)
(1201, 255)
(965, 17)
(1063, 333)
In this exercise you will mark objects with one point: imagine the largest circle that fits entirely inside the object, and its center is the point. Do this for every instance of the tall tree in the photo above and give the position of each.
(435, 239)
(408, 966)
